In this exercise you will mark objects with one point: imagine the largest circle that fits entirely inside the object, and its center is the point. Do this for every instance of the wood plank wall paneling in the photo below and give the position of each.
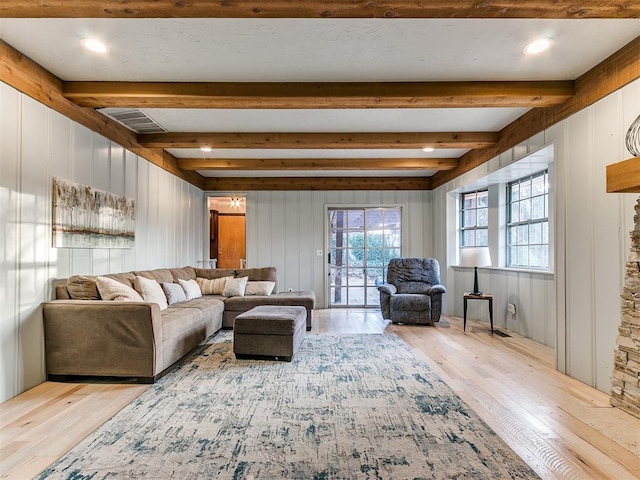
(9, 202)
(37, 143)
(577, 309)
(606, 150)
(579, 228)
(33, 238)
(293, 243)
(286, 229)
(61, 165)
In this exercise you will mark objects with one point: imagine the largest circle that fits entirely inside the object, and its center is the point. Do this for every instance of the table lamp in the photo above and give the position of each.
(475, 257)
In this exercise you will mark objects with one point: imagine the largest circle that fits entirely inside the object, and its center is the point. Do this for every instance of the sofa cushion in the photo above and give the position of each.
(242, 304)
(174, 292)
(111, 289)
(126, 278)
(235, 287)
(151, 291)
(177, 318)
(83, 287)
(214, 272)
(191, 288)
(210, 307)
(259, 288)
(269, 274)
(184, 273)
(60, 290)
(160, 275)
(182, 330)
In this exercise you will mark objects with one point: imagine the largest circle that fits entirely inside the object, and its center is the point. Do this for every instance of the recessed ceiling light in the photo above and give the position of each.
(95, 45)
(428, 149)
(205, 148)
(537, 46)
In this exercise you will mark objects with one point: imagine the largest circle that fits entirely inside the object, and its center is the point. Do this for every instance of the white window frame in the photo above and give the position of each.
(475, 228)
(543, 221)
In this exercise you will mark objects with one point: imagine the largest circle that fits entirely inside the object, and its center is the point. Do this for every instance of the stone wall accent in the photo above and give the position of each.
(625, 381)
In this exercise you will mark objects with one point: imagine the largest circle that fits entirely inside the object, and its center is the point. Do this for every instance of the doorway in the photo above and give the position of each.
(227, 231)
(361, 243)
(231, 240)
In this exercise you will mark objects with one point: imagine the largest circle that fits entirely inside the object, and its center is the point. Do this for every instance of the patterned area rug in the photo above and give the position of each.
(347, 407)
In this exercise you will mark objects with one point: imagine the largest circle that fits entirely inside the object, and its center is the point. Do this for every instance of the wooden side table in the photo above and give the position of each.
(484, 296)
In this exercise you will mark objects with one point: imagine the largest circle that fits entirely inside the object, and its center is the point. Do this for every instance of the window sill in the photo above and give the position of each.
(508, 269)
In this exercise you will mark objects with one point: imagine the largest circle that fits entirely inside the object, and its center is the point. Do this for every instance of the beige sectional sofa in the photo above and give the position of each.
(88, 336)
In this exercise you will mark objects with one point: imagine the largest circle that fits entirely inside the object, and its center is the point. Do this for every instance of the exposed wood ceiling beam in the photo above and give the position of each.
(620, 69)
(612, 74)
(319, 95)
(30, 78)
(367, 140)
(570, 9)
(317, 163)
(624, 177)
(230, 184)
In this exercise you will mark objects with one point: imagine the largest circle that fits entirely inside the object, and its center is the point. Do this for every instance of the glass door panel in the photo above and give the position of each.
(361, 242)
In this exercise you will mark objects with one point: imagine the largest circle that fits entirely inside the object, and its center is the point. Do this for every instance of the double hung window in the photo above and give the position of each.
(528, 221)
(474, 221)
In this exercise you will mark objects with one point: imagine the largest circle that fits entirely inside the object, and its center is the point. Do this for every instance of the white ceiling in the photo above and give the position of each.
(316, 50)
(319, 50)
(331, 120)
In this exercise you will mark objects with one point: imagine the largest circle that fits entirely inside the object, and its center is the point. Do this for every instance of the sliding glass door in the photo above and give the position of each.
(361, 243)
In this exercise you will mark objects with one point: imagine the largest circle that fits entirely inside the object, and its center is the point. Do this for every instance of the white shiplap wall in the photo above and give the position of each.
(286, 229)
(577, 309)
(37, 144)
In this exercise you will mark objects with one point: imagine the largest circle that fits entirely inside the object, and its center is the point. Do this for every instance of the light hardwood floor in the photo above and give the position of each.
(561, 427)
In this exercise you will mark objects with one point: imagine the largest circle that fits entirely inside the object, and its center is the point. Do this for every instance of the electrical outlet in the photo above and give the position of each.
(511, 308)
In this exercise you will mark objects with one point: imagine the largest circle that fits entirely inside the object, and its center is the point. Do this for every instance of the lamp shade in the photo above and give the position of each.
(475, 257)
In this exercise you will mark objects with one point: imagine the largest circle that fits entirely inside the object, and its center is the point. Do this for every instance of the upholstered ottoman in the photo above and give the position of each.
(269, 331)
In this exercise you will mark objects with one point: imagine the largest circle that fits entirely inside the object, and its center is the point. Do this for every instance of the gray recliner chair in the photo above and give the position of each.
(413, 293)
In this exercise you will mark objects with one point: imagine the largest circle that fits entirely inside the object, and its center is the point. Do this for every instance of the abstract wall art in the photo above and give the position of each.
(85, 217)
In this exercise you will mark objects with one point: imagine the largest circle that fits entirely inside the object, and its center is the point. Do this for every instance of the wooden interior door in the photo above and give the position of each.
(231, 240)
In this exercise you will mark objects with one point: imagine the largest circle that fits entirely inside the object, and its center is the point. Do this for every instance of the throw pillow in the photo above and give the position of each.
(151, 291)
(206, 285)
(213, 286)
(174, 292)
(83, 287)
(114, 290)
(235, 287)
(259, 288)
(191, 288)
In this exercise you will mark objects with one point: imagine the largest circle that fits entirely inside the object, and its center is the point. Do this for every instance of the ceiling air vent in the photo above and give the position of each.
(134, 119)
